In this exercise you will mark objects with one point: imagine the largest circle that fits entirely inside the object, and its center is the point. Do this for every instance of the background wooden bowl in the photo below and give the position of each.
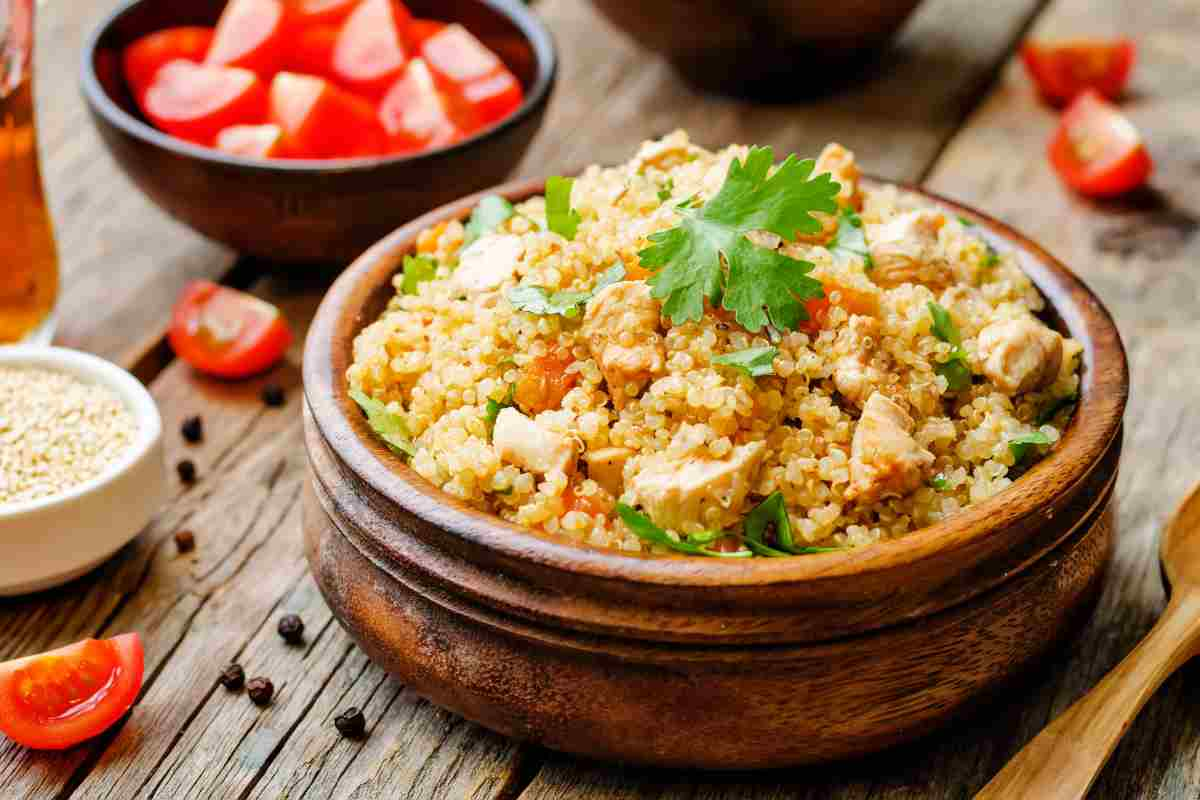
(767, 49)
(703, 662)
(297, 210)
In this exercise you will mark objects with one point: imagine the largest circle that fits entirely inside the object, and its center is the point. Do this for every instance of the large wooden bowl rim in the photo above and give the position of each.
(1097, 421)
(516, 12)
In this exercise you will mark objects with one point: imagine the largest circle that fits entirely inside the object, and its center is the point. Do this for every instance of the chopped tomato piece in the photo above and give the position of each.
(462, 64)
(311, 51)
(416, 115)
(321, 12)
(494, 98)
(817, 310)
(320, 120)
(251, 34)
(599, 503)
(143, 58)
(370, 52)
(58, 699)
(1097, 150)
(419, 30)
(225, 332)
(1063, 70)
(252, 141)
(195, 101)
(545, 382)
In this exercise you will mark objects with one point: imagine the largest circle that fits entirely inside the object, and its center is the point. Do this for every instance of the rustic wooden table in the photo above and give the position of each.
(949, 107)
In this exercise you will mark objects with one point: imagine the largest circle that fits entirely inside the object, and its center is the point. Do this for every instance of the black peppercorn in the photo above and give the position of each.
(350, 723)
(260, 690)
(291, 628)
(187, 471)
(185, 541)
(192, 429)
(272, 395)
(233, 677)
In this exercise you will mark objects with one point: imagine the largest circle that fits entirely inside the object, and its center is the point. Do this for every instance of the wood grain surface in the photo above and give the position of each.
(933, 111)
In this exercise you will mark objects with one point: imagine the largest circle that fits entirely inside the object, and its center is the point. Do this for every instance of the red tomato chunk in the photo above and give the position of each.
(225, 332)
(251, 34)
(195, 102)
(144, 58)
(320, 120)
(1097, 150)
(1064, 70)
(370, 53)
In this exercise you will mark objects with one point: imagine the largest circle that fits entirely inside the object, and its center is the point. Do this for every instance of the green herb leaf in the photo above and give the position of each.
(707, 256)
(646, 530)
(955, 370)
(537, 300)
(966, 222)
(1019, 446)
(772, 511)
(754, 361)
(850, 240)
(991, 257)
(487, 217)
(614, 274)
(560, 217)
(494, 408)
(387, 426)
(760, 549)
(1051, 411)
(939, 482)
(943, 326)
(668, 188)
(704, 537)
(417, 270)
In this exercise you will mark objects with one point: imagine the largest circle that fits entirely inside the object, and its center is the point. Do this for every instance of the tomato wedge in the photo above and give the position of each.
(419, 30)
(1063, 70)
(416, 115)
(320, 120)
(251, 34)
(311, 52)
(225, 332)
(147, 55)
(252, 141)
(1097, 150)
(321, 12)
(462, 64)
(58, 699)
(370, 52)
(195, 101)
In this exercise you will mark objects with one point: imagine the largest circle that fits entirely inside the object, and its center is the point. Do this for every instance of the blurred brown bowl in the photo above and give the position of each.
(294, 210)
(761, 48)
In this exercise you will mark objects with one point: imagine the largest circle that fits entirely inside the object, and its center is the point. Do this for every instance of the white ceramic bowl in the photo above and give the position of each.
(51, 540)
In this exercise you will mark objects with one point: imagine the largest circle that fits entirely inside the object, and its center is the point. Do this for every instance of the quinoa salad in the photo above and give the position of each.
(716, 354)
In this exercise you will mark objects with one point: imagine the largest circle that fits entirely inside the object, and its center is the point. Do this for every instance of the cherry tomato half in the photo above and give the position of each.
(1063, 70)
(416, 115)
(1097, 150)
(225, 332)
(196, 101)
(58, 699)
(319, 120)
(147, 55)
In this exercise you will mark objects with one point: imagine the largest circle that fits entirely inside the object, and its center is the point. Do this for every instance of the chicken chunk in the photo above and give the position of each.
(885, 460)
(488, 262)
(520, 440)
(1020, 355)
(840, 164)
(905, 250)
(676, 493)
(854, 376)
(621, 326)
(606, 466)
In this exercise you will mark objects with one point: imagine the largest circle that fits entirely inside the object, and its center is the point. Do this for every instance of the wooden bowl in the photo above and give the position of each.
(693, 662)
(765, 49)
(298, 210)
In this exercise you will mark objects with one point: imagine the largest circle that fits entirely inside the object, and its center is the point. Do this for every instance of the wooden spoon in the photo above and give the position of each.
(1063, 760)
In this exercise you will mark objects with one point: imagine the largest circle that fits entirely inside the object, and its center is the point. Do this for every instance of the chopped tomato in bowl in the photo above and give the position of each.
(58, 699)
(1096, 149)
(227, 333)
(196, 101)
(143, 59)
(1064, 70)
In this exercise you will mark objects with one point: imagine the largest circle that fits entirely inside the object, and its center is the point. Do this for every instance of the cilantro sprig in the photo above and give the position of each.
(753, 361)
(1020, 446)
(541, 301)
(560, 217)
(956, 370)
(850, 240)
(708, 257)
(387, 426)
(492, 211)
(417, 270)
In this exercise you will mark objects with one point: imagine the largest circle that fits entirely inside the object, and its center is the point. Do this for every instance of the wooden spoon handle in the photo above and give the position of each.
(1062, 761)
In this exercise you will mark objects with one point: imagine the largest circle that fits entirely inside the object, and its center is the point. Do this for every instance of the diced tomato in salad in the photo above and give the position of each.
(545, 382)
(227, 333)
(1064, 70)
(1097, 151)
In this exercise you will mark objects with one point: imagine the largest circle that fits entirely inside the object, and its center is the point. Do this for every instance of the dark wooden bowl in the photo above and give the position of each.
(328, 210)
(767, 49)
(703, 662)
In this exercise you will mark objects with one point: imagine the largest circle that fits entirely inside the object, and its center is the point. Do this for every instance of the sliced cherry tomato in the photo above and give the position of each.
(370, 52)
(1063, 70)
(416, 115)
(320, 120)
(225, 332)
(311, 52)
(545, 382)
(143, 58)
(321, 12)
(462, 64)
(419, 30)
(1097, 150)
(252, 34)
(195, 101)
(58, 699)
(252, 141)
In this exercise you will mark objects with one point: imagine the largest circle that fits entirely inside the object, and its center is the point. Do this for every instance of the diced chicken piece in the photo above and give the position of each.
(885, 460)
(855, 379)
(522, 441)
(606, 466)
(840, 164)
(488, 262)
(676, 493)
(1020, 355)
(905, 250)
(673, 149)
(621, 325)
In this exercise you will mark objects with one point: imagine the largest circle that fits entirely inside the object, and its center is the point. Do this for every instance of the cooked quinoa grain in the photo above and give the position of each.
(891, 408)
(56, 431)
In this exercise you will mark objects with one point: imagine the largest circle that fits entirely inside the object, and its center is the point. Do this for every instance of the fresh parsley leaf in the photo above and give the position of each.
(707, 256)
(943, 326)
(955, 370)
(417, 270)
(939, 482)
(487, 217)
(494, 408)
(1051, 411)
(770, 512)
(1019, 446)
(387, 426)
(668, 188)
(850, 240)
(537, 300)
(754, 361)
(560, 217)
(991, 257)
(646, 530)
